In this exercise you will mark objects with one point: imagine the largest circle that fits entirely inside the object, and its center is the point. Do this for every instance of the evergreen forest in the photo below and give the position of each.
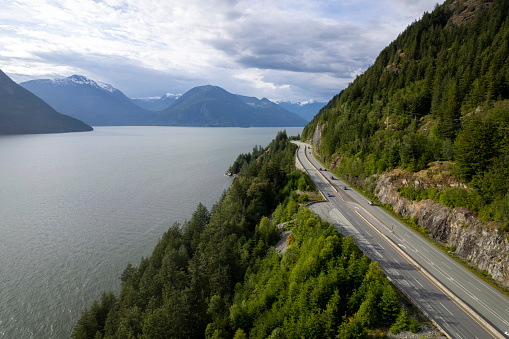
(439, 92)
(219, 276)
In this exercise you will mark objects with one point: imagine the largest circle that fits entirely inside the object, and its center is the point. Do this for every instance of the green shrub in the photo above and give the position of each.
(460, 197)
(404, 323)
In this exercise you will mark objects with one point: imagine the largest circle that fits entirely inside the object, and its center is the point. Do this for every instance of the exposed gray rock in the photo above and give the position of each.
(282, 245)
(459, 228)
(317, 136)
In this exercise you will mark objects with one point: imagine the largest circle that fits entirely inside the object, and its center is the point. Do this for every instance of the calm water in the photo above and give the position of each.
(76, 208)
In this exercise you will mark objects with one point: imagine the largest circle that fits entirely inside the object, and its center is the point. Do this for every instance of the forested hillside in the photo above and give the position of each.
(439, 92)
(217, 276)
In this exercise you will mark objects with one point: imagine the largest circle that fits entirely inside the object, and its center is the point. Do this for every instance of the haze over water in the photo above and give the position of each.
(76, 208)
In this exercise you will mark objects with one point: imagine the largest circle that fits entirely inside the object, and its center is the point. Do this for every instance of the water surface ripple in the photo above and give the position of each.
(75, 208)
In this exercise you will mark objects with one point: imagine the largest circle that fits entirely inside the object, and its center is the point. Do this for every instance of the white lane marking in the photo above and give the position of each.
(429, 306)
(472, 295)
(418, 282)
(432, 264)
(342, 222)
(446, 265)
(458, 335)
(477, 288)
(410, 245)
(446, 309)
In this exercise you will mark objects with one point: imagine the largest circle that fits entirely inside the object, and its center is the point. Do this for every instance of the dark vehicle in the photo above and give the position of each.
(344, 188)
(329, 195)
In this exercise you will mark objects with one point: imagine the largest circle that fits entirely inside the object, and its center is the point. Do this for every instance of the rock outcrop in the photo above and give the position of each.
(317, 136)
(474, 241)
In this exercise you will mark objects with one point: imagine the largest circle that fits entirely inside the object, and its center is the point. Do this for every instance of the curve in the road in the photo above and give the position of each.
(347, 200)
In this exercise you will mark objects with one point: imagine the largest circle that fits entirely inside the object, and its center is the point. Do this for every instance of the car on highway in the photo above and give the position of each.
(371, 203)
(344, 188)
(329, 195)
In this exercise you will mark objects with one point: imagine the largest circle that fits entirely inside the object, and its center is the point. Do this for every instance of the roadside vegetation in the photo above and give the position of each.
(412, 223)
(439, 92)
(218, 275)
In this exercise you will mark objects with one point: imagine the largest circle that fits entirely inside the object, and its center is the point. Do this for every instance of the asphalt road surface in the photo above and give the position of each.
(457, 301)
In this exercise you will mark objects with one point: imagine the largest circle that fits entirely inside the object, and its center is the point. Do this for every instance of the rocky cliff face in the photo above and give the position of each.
(471, 239)
(317, 136)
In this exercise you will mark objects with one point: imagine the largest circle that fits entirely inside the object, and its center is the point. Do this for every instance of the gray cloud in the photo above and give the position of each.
(295, 45)
(286, 49)
(132, 78)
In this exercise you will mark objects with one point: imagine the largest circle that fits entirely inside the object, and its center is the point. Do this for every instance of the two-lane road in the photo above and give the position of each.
(460, 303)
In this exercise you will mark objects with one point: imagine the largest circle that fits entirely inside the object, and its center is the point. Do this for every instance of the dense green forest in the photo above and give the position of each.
(218, 276)
(439, 92)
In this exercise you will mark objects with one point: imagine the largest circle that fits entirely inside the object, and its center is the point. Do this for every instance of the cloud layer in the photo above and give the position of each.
(285, 50)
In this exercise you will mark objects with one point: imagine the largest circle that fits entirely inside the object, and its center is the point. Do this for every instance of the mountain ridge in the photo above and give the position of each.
(215, 107)
(79, 80)
(22, 112)
(438, 94)
(96, 103)
(101, 105)
(307, 109)
(156, 104)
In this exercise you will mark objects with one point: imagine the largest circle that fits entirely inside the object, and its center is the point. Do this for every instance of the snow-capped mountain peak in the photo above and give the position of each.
(82, 80)
(171, 95)
(299, 103)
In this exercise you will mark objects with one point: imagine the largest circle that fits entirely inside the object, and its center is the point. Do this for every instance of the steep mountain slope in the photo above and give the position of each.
(433, 77)
(21, 112)
(95, 103)
(437, 95)
(156, 104)
(213, 106)
(306, 110)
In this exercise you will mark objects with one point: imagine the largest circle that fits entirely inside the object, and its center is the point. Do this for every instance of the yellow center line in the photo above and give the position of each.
(419, 269)
(404, 255)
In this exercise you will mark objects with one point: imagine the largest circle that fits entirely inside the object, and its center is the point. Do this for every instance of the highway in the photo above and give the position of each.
(459, 303)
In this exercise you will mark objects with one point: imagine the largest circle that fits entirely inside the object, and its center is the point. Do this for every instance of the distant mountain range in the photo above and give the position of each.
(95, 103)
(21, 112)
(306, 110)
(214, 106)
(102, 105)
(157, 104)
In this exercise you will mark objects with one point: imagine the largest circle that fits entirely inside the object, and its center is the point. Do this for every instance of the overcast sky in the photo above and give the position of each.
(282, 49)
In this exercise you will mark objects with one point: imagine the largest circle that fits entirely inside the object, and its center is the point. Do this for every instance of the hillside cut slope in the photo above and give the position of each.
(439, 92)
